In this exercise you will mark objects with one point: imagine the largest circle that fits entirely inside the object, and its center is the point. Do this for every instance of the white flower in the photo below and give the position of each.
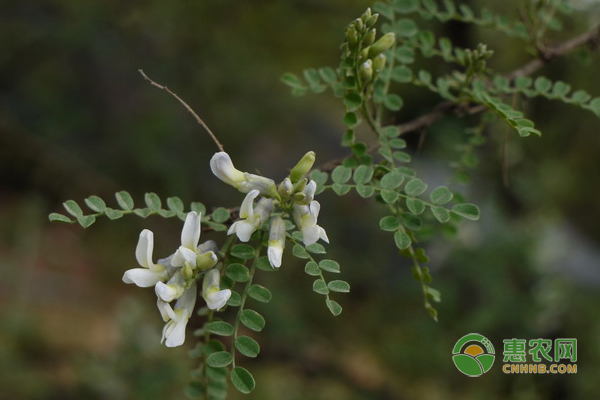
(214, 297)
(276, 241)
(253, 217)
(176, 319)
(306, 219)
(190, 235)
(222, 166)
(171, 290)
(151, 273)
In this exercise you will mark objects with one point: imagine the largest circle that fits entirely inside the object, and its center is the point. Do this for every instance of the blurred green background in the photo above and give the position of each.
(77, 119)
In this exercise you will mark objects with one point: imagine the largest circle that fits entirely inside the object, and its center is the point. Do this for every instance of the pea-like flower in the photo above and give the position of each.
(253, 216)
(176, 319)
(151, 273)
(222, 166)
(211, 290)
(276, 241)
(306, 219)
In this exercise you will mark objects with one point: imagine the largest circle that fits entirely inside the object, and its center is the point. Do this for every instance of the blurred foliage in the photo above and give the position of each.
(77, 119)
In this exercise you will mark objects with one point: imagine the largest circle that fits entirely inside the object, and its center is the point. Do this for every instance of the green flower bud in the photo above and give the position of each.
(304, 165)
(381, 45)
(372, 20)
(366, 71)
(186, 272)
(366, 15)
(358, 24)
(206, 260)
(369, 38)
(363, 54)
(379, 63)
(285, 188)
(352, 36)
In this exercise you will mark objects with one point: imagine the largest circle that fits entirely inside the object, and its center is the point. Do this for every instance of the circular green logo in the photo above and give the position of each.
(473, 354)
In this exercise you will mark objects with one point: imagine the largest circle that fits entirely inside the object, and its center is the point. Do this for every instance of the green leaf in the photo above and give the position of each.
(415, 187)
(243, 251)
(219, 359)
(124, 199)
(411, 221)
(319, 286)
(405, 6)
(441, 214)
(384, 9)
(424, 77)
(405, 55)
(86, 220)
(312, 77)
(198, 207)
(142, 212)
(523, 82)
(263, 264)
(221, 328)
(365, 191)
(580, 96)
(312, 268)
(350, 119)
(73, 208)
(393, 102)
(113, 214)
(542, 84)
(392, 180)
(220, 215)
(316, 248)
(319, 177)
(59, 218)
(415, 206)
(363, 174)
(292, 80)
(389, 196)
(402, 240)
(334, 307)
(340, 189)
(153, 201)
(339, 286)
(434, 294)
(402, 74)
(238, 272)
(397, 143)
(175, 204)
(260, 293)
(242, 380)
(341, 174)
(595, 106)
(467, 210)
(389, 223)
(328, 74)
(441, 195)
(252, 320)
(329, 266)
(235, 300)
(405, 27)
(247, 346)
(96, 203)
(352, 101)
(561, 89)
(300, 252)
(401, 156)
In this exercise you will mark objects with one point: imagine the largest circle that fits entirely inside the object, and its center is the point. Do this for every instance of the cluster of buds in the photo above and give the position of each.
(267, 202)
(362, 46)
(175, 278)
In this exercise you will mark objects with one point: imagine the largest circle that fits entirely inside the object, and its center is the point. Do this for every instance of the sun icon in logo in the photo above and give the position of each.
(473, 355)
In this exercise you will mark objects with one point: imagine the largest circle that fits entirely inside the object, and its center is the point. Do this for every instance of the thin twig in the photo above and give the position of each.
(187, 107)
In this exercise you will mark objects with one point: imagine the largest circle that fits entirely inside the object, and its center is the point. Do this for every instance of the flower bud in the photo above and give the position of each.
(303, 166)
(352, 36)
(366, 71)
(285, 188)
(372, 20)
(369, 38)
(364, 54)
(382, 44)
(379, 63)
(206, 260)
(359, 24)
(276, 241)
(366, 15)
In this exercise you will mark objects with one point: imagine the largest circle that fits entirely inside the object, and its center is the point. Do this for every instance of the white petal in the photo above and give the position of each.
(315, 207)
(217, 300)
(166, 311)
(187, 301)
(175, 334)
(211, 278)
(145, 246)
(275, 253)
(190, 235)
(182, 255)
(166, 292)
(310, 190)
(263, 210)
(310, 235)
(144, 277)
(244, 230)
(247, 207)
(222, 166)
(323, 234)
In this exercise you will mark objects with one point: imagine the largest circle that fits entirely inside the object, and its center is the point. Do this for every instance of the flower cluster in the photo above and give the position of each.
(175, 278)
(295, 196)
